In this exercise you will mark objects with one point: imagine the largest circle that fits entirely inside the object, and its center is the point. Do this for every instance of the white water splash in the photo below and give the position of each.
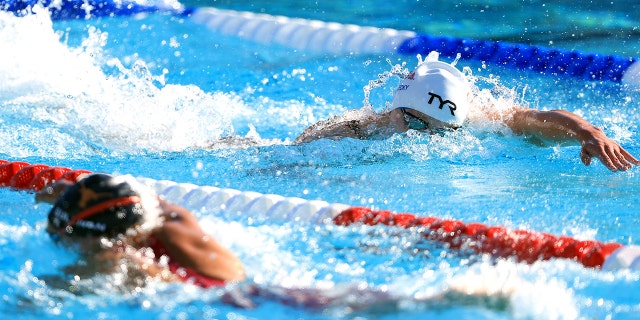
(64, 95)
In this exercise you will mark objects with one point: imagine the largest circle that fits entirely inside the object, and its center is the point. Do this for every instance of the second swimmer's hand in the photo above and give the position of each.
(51, 192)
(596, 144)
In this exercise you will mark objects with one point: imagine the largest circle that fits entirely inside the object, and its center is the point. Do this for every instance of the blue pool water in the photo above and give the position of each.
(153, 95)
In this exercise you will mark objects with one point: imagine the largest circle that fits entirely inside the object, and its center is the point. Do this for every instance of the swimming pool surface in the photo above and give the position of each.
(162, 97)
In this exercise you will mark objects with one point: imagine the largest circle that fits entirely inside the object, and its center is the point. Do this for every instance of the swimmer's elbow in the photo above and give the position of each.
(521, 120)
(303, 139)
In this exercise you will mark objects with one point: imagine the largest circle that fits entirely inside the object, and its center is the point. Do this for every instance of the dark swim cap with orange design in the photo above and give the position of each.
(98, 205)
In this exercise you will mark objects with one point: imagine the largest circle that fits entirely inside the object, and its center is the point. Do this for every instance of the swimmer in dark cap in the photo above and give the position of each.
(107, 217)
(113, 223)
(108, 220)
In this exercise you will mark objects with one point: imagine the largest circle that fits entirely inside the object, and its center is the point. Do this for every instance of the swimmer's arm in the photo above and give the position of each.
(564, 125)
(336, 130)
(497, 292)
(364, 128)
(183, 237)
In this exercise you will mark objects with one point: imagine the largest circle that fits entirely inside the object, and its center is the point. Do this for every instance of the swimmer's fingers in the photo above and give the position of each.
(585, 156)
(168, 207)
(601, 149)
(628, 157)
(620, 158)
(613, 156)
(174, 212)
(51, 192)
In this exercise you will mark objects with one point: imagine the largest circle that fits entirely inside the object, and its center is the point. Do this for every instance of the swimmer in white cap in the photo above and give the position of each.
(435, 97)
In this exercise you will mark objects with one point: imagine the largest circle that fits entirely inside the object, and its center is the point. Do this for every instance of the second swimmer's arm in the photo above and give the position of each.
(191, 247)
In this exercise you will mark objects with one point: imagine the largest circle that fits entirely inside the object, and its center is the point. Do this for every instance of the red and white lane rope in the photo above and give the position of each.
(523, 245)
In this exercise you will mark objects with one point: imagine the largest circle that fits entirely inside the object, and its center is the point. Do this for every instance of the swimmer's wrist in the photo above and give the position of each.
(589, 132)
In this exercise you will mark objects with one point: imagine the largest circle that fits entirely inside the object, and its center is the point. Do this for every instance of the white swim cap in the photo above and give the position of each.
(436, 89)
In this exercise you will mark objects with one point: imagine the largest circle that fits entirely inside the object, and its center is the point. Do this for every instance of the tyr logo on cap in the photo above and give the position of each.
(452, 106)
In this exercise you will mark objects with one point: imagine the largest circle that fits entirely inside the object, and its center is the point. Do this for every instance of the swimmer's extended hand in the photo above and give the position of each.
(596, 144)
(52, 191)
(564, 125)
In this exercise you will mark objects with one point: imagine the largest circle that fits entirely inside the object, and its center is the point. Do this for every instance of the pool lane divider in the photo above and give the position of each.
(500, 242)
(347, 39)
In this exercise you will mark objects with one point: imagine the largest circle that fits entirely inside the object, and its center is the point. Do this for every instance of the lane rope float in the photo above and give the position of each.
(501, 242)
(336, 38)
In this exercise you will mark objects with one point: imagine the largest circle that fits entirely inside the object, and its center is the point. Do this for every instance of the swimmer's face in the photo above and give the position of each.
(59, 236)
(78, 244)
(417, 120)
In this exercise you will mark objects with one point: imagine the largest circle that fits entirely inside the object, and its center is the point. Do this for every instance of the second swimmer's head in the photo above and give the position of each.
(97, 205)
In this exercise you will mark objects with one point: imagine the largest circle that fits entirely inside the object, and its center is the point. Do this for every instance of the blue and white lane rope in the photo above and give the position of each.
(335, 38)
(235, 203)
